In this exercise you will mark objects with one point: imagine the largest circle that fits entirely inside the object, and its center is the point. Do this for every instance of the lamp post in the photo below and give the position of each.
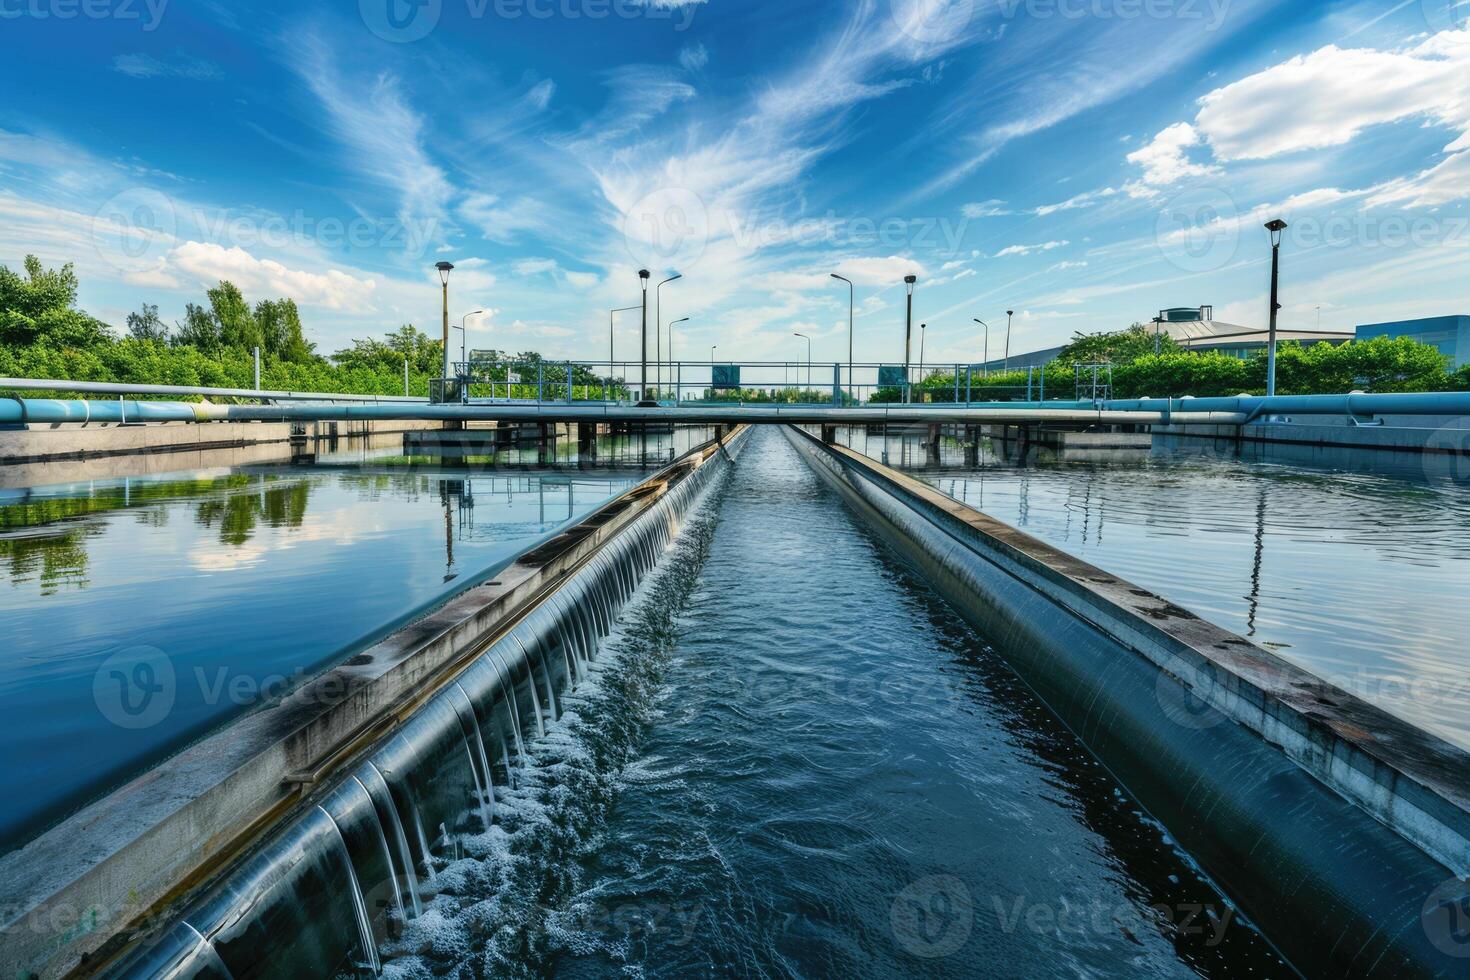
(464, 356)
(985, 362)
(908, 331)
(657, 311)
(1275, 226)
(444, 270)
(808, 356)
(643, 400)
(849, 325)
(673, 374)
(922, 328)
(1007, 365)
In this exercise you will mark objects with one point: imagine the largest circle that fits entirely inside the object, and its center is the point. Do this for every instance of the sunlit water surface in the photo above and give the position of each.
(139, 613)
(1356, 568)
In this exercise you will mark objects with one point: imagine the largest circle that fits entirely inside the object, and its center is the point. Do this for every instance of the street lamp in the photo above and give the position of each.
(643, 400)
(808, 356)
(908, 332)
(1275, 226)
(922, 328)
(985, 363)
(682, 319)
(712, 349)
(1007, 365)
(849, 325)
(464, 356)
(444, 269)
(657, 310)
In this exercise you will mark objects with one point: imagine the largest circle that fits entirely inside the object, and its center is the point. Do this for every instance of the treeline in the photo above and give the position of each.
(1381, 364)
(44, 335)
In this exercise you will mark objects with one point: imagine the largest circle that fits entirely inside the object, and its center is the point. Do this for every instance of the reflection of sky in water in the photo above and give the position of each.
(1360, 577)
(274, 573)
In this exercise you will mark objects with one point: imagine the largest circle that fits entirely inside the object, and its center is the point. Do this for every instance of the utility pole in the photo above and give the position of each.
(643, 400)
(1007, 365)
(851, 383)
(908, 331)
(444, 269)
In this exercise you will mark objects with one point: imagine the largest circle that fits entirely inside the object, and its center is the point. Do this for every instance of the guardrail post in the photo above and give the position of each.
(569, 382)
(956, 383)
(836, 385)
(540, 381)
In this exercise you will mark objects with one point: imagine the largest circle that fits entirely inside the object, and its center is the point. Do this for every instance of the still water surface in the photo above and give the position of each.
(138, 613)
(1359, 574)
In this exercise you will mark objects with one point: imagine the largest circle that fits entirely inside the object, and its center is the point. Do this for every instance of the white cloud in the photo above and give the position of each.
(180, 66)
(1163, 159)
(1062, 266)
(985, 209)
(1328, 97)
(384, 138)
(208, 263)
(693, 57)
(1028, 249)
(540, 94)
(879, 271)
(1085, 200)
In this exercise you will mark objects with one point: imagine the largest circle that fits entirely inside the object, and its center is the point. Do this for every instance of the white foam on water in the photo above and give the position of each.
(489, 912)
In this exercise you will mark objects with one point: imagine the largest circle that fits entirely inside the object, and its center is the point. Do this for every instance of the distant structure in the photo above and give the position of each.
(1195, 328)
(1451, 334)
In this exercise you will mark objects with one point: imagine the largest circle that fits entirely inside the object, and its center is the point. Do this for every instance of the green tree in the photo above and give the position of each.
(145, 324)
(1116, 347)
(40, 308)
(237, 326)
(199, 330)
(281, 332)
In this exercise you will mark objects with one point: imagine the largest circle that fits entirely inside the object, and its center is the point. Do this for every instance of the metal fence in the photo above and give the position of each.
(676, 383)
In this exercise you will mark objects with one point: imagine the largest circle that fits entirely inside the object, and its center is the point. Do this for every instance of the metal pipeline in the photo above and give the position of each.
(1231, 410)
(192, 391)
(51, 411)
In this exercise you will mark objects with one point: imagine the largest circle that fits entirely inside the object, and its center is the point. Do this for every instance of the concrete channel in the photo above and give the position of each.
(233, 823)
(1342, 831)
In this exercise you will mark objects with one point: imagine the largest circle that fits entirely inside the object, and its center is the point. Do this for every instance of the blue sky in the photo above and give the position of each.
(1083, 162)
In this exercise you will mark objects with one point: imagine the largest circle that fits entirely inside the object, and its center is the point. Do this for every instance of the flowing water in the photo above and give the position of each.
(792, 759)
(138, 613)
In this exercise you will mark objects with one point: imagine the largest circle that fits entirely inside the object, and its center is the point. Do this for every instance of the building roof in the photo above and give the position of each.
(1211, 333)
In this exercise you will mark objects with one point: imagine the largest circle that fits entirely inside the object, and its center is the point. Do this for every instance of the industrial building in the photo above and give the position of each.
(1196, 329)
(1451, 334)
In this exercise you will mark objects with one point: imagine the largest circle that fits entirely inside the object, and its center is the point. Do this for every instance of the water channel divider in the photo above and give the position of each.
(314, 814)
(1341, 831)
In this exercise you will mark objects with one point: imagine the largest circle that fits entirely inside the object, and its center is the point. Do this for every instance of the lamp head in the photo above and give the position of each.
(1276, 226)
(1010, 312)
(444, 268)
(911, 279)
(642, 273)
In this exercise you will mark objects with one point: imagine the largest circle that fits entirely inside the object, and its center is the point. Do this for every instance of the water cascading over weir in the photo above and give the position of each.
(318, 895)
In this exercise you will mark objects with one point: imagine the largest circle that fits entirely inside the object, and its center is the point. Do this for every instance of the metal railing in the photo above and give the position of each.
(676, 383)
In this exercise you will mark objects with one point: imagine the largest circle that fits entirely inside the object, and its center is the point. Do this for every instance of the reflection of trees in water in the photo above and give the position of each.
(56, 561)
(57, 558)
(238, 515)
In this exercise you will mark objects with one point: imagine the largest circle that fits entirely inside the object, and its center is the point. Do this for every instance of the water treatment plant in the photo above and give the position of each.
(662, 489)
